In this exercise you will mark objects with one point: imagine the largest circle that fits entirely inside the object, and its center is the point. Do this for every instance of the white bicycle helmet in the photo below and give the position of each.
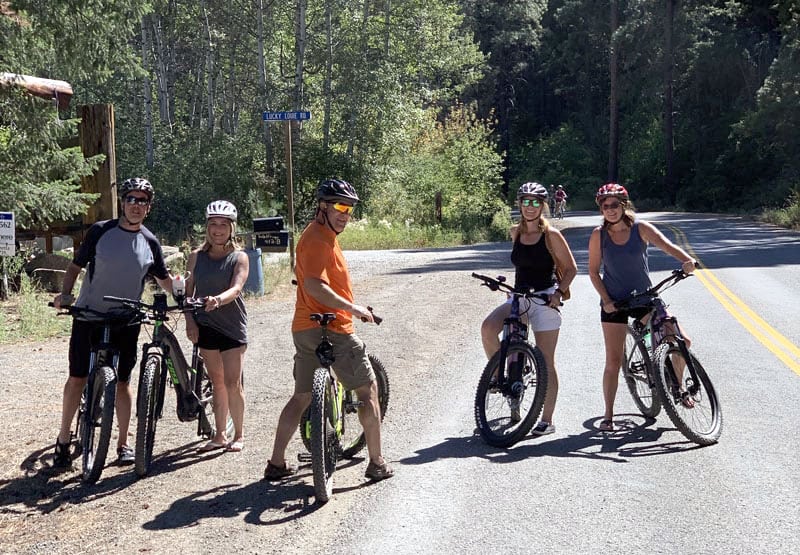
(532, 189)
(221, 209)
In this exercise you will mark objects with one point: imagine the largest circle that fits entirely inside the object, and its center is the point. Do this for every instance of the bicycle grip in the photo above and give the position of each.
(377, 319)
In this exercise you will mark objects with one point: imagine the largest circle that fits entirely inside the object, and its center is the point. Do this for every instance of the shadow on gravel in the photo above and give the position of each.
(291, 499)
(631, 438)
(45, 488)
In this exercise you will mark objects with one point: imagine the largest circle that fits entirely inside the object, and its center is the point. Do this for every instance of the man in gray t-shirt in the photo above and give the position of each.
(117, 255)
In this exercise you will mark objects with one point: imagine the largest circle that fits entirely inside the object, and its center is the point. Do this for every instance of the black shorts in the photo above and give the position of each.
(85, 335)
(621, 316)
(212, 340)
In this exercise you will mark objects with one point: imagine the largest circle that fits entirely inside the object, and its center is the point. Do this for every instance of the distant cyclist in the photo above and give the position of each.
(561, 201)
(323, 285)
(118, 255)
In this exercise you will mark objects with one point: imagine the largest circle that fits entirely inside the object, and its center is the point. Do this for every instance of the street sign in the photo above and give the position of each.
(284, 116)
(7, 232)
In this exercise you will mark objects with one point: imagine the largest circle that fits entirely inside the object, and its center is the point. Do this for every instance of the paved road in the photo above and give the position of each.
(644, 489)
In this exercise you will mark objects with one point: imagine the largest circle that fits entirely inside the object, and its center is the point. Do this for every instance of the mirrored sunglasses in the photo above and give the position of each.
(136, 200)
(535, 202)
(343, 208)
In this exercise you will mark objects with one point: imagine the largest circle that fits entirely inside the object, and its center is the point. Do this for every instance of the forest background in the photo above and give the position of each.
(693, 105)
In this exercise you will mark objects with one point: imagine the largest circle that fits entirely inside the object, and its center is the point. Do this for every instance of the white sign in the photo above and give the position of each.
(7, 234)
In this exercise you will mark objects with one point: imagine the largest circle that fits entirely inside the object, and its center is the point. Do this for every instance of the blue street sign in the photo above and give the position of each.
(283, 116)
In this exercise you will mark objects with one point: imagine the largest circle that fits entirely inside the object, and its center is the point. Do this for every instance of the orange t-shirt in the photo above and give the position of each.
(320, 256)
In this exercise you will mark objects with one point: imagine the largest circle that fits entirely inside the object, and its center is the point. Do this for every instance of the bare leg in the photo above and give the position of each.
(73, 388)
(287, 425)
(216, 373)
(232, 360)
(123, 403)
(614, 338)
(546, 341)
(369, 413)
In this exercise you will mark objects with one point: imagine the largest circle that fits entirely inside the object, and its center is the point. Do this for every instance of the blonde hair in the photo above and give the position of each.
(231, 244)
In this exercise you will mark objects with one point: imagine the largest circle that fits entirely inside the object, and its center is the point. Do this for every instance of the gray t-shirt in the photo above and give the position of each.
(116, 262)
(212, 277)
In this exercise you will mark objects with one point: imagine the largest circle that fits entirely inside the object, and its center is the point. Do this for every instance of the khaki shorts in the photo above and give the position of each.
(352, 365)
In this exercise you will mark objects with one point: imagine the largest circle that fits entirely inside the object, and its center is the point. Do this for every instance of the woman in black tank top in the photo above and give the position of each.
(536, 250)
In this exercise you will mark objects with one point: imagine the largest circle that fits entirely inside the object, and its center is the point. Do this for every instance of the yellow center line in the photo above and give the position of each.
(786, 351)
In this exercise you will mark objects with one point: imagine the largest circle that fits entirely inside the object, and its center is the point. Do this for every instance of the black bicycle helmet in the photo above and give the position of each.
(532, 189)
(336, 190)
(136, 184)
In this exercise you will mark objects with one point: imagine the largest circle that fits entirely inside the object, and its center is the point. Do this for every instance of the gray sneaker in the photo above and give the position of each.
(125, 455)
(543, 428)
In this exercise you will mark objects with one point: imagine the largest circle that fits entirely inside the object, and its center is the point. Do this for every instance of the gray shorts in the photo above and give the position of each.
(352, 365)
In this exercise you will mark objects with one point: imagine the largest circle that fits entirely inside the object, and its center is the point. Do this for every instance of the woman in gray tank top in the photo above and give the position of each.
(218, 271)
(619, 245)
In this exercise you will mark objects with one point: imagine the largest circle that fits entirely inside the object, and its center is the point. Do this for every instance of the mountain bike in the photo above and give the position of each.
(660, 370)
(95, 417)
(513, 385)
(163, 361)
(561, 209)
(330, 428)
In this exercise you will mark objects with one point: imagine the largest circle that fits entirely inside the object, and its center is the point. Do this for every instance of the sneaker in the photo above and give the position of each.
(272, 472)
(125, 455)
(543, 428)
(62, 457)
(378, 472)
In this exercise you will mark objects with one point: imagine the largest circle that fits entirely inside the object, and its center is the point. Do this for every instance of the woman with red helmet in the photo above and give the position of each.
(619, 246)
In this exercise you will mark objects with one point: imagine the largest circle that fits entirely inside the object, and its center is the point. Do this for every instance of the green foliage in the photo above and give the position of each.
(26, 317)
(788, 216)
(369, 234)
(41, 179)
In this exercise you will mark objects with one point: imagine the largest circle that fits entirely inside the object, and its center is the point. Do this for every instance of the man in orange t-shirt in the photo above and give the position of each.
(323, 285)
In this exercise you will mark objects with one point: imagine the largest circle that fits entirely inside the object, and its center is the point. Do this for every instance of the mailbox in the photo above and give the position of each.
(268, 224)
(269, 234)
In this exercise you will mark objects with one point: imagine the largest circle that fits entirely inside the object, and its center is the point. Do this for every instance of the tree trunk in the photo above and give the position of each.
(162, 78)
(387, 28)
(669, 177)
(147, 94)
(327, 86)
(209, 69)
(355, 104)
(613, 96)
(269, 151)
(299, 53)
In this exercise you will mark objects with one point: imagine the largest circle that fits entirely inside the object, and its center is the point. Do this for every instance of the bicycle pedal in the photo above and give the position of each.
(304, 457)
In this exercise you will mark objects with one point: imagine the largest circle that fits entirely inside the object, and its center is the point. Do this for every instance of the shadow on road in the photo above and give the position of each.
(633, 437)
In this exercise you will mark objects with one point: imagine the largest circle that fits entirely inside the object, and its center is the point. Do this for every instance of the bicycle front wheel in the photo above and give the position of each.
(690, 400)
(637, 369)
(323, 435)
(98, 421)
(505, 413)
(147, 403)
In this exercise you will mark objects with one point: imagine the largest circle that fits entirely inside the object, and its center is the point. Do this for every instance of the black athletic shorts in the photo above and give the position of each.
(621, 316)
(87, 334)
(212, 340)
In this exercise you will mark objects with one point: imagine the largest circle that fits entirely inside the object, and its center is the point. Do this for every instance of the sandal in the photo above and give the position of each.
(234, 446)
(211, 446)
(606, 425)
(273, 472)
(686, 399)
(377, 472)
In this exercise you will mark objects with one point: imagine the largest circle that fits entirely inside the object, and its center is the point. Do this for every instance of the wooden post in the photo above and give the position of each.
(290, 191)
(97, 137)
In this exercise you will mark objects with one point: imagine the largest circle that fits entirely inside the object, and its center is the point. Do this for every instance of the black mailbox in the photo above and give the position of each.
(268, 225)
(269, 234)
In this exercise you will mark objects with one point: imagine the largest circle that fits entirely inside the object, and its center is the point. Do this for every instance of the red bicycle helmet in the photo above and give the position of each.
(611, 190)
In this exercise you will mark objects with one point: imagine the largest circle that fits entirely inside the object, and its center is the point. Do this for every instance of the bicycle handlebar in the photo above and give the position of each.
(499, 283)
(644, 298)
(375, 318)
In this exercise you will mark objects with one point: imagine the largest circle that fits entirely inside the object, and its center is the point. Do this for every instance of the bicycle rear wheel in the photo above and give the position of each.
(692, 405)
(505, 413)
(637, 369)
(323, 436)
(147, 404)
(98, 421)
(351, 438)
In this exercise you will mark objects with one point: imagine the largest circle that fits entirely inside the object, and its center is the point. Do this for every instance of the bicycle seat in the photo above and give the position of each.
(323, 319)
